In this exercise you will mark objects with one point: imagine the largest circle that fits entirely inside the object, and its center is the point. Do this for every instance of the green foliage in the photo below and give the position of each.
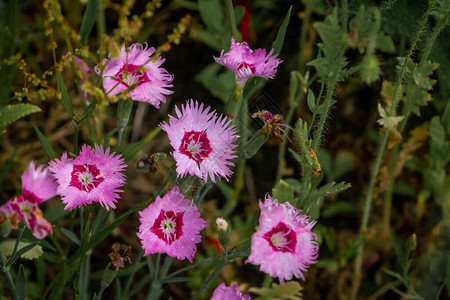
(45, 144)
(12, 113)
(8, 36)
(283, 192)
(291, 290)
(89, 17)
(64, 95)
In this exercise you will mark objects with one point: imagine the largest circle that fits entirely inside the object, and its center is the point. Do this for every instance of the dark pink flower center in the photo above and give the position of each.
(168, 226)
(131, 76)
(282, 238)
(31, 196)
(86, 177)
(247, 66)
(195, 145)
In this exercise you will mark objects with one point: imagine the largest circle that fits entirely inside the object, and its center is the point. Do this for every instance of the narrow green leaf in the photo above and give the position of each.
(12, 113)
(71, 236)
(279, 40)
(177, 279)
(21, 284)
(88, 111)
(45, 144)
(64, 95)
(88, 21)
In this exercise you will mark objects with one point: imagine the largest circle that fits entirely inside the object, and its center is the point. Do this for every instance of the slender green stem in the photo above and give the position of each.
(304, 33)
(12, 287)
(406, 112)
(295, 99)
(369, 196)
(436, 31)
(207, 260)
(101, 21)
(75, 140)
(323, 116)
(210, 278)
(313, 118)
(231, 18)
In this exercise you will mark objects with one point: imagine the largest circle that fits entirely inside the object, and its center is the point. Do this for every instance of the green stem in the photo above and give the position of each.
(406, 112)
(323, 116)
(292, 106)
(304, 33)
(210, 278)
(436, 31)
(313, 118)
(231, 19)
(207, 260)
(12, 287)
(369, 196)
(75, 140)
(101, 23)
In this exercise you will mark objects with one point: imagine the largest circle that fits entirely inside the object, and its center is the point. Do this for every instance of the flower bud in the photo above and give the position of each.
(224, 234)
(411, 242)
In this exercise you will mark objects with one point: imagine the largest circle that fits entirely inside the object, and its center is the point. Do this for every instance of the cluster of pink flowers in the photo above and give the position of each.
(37, 186)
(203, 145)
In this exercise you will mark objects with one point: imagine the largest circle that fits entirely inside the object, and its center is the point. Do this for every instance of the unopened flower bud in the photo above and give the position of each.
(224, 235)
(222, 224)
(411, 242)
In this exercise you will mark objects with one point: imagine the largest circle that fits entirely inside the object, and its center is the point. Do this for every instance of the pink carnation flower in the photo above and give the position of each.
(171, 225)
(284, 245)
(136, 70)
(94, 176)
(202, 141)
(37, 186)
(222, 292)
(246, 63)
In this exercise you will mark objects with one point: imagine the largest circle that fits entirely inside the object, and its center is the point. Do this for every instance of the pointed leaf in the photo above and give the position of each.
(45, 144)
(64, 95)
(88, 21)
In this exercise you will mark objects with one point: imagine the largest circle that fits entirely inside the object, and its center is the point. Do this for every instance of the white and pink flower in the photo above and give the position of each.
(284, 245)
(171, 225)
(94, 176)
(138, 72)
(202, 141)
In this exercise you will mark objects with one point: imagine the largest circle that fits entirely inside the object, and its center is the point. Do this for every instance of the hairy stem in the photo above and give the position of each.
(369, 196)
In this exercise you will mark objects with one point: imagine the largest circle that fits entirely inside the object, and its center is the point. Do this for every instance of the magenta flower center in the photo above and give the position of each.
(282, 238)
(30, 196)
(168, 226)
(247, 66)
(86, 177)
(130, 75)
(195, 145)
